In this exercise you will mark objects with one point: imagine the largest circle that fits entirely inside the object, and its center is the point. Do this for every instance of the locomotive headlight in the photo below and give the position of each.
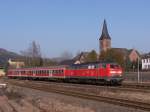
(120, 72)
(113, 72)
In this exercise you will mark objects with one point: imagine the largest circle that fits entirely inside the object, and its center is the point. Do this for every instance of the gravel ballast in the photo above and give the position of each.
(18, 99)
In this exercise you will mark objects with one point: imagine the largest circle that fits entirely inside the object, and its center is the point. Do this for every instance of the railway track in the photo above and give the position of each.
(125, 87)
(77, 92)
(132, 87)
(137, 85)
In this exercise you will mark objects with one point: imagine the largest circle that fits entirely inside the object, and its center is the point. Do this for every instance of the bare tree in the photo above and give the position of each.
(66, 55)
(33, 55)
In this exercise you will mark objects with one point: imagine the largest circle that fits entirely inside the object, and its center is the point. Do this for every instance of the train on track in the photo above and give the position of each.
(107, 72)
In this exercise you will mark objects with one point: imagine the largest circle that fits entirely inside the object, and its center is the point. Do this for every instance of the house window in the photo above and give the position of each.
(143, 61)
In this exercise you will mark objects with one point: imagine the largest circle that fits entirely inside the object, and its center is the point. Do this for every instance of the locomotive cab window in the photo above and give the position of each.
(114, 66)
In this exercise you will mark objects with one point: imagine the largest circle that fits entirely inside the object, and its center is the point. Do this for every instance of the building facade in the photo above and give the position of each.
(133, 55)
(16, 63)
(146, 62)
(2, 73)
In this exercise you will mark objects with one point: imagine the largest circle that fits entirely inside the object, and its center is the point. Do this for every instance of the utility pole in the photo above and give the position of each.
(138, 72)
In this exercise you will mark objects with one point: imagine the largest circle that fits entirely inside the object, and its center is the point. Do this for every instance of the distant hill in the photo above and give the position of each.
(5, 55)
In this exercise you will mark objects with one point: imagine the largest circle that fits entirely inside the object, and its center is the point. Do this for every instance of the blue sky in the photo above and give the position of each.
(73, 25)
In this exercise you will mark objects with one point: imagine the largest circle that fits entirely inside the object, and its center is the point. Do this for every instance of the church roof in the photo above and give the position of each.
(105, 34)
(82, 54)
(80, 57)
(125, 51)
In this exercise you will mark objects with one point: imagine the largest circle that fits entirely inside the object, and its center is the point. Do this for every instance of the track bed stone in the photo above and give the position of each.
(19, 99)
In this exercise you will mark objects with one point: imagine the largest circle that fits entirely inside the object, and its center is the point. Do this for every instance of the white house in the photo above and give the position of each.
(2, 73)
(16, 63)
(146, 62)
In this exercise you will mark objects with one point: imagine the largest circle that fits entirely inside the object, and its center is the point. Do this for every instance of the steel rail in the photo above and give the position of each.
(125, 87)
(89, 96)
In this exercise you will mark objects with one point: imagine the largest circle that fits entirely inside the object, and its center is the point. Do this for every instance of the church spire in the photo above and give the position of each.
(105, 34)
(105, 40)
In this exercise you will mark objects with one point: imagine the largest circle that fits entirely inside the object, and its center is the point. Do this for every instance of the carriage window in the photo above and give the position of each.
(62, 71)
(34, 72)
(47, 72)
(53, 72)
(50, 71)
(57, 71)
(42, 71)
(22, 72)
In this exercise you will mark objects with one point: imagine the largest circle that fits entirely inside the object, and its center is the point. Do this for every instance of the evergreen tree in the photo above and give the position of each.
(92, 56)
(113, 56)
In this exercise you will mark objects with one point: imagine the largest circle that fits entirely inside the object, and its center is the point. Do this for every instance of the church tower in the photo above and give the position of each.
(104, 40)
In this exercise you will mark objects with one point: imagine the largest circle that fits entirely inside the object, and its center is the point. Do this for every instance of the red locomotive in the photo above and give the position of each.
(95, 71)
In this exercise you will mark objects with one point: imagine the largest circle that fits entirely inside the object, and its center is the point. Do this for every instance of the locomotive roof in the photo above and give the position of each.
(97, 62)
